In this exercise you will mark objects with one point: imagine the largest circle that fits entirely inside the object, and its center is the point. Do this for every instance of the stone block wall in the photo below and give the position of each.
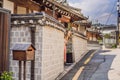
(18, 35)
(21, 34)
(49, 44)
(53, 54)
(79, 47)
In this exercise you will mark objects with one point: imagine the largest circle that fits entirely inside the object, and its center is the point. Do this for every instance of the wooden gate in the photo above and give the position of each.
(4, 39)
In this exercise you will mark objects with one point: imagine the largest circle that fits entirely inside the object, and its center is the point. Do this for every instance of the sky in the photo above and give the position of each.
(101, 11)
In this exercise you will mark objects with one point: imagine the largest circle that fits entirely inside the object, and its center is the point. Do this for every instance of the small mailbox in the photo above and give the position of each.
(23, 52)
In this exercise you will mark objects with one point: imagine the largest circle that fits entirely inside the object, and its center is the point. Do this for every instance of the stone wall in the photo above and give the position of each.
(49, 44)
(82, 30)
(18, 35)
(79, 47)
(53, 54)
(21, 34)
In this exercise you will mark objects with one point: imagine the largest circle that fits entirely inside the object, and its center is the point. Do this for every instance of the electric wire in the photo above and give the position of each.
(106, 15)
(110, 14)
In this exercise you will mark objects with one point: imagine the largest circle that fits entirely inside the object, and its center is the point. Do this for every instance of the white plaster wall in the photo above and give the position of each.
(8, 5)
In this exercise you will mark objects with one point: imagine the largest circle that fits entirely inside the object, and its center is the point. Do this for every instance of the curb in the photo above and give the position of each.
(65, 71)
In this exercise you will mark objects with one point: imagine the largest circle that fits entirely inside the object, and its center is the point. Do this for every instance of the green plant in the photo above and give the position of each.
(6, 76)
(114, 46)
(69, 51)
(107, 35)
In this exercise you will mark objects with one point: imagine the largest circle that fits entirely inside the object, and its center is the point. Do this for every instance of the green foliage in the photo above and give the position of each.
(6, 76)
(114, 46)
(99, 38)
(111, 45)
(107, 35)
(69, 27)
(69, 51)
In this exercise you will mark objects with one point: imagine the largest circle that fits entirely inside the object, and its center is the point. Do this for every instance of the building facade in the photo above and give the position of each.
(109, 35)
(49, 26)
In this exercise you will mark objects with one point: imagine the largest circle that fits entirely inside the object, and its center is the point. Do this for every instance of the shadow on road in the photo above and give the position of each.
(104, 51)
(98, 67)
(72, 72)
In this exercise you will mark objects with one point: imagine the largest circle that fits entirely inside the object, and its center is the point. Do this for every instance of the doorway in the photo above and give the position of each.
(68, 52)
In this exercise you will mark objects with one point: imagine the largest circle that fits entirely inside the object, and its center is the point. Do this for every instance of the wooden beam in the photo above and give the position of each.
(15, 8)
(64, 19)
(27, 3)
(27, 10)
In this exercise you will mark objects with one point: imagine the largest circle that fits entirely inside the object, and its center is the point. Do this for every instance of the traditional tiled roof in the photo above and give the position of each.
(22, 47)
(41, 18)
(64, 2)
(77, 10)
(84, 22)
(65, 9)
(92, 30)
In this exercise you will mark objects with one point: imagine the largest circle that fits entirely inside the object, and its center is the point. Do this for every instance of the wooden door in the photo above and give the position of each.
(4, 39)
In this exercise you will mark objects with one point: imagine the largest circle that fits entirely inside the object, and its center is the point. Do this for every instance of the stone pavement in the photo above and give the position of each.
(105, 65)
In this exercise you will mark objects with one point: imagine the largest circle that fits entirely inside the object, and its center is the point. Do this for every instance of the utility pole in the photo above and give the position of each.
(117, 31)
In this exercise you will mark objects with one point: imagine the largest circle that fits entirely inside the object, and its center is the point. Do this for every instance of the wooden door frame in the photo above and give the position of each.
(5, 65)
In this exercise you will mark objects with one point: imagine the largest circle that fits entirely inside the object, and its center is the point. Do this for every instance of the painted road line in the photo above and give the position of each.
(78, 73)
(81, 68)
(88, 59)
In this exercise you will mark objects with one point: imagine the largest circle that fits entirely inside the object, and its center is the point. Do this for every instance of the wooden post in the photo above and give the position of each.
(53, 10)
(20, 70)
(33, 61)
(24, 76)
(4, 40)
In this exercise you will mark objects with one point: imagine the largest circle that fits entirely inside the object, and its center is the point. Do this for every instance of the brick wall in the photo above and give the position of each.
(79, 47)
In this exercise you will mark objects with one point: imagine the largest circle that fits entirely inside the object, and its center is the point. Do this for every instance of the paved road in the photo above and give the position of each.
(72, 72)
(105, 65)
(98, 67)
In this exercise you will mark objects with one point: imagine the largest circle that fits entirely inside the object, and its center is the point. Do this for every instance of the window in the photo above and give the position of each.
(1, 3)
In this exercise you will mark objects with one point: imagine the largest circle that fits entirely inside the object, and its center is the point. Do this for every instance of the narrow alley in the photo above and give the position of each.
(104, 65)
(59, 40)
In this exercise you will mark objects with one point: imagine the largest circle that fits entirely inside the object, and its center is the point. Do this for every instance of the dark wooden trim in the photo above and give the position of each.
(27, 10)
(1, 3)
(15, 8)
(33, 61)
(20, 69)
(24, 76)
(1, 40)
(4, 40)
